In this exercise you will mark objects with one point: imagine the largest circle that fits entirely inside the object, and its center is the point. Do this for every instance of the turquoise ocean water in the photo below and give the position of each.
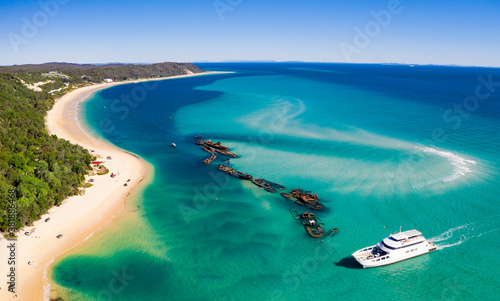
(384, 146)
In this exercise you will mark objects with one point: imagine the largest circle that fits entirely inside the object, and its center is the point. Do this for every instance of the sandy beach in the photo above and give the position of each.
(79, 216)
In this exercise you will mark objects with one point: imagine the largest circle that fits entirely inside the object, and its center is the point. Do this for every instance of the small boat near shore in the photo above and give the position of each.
(394, 248)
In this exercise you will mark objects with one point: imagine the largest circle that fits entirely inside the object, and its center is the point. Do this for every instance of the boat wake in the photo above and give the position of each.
(450, 236)
(456, 236)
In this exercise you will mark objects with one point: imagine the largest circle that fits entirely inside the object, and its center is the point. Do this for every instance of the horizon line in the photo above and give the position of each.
(257, 61)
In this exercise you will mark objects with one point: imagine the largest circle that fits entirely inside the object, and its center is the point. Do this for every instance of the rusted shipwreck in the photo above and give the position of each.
(210, 159)
(304, 198)
(312, 224)
(268, 185)
(234, 173)
(211, 147)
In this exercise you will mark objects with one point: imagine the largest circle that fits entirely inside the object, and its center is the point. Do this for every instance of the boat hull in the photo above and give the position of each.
(360, 256)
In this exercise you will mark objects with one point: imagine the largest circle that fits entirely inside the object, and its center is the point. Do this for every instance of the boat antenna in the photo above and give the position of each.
(399, 229)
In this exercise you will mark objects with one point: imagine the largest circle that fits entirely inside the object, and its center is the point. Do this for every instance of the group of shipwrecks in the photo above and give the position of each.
(304, 198)
(298, 196)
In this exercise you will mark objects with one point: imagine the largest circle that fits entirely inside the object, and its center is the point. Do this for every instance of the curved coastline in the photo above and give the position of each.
(79, 217)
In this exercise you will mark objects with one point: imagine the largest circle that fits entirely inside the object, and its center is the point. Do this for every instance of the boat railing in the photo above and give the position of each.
(379, 258)
(363, 254)
(364, 250)
(366, 255)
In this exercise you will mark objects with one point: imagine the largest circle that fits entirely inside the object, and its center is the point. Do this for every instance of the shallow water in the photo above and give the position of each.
(377, 143)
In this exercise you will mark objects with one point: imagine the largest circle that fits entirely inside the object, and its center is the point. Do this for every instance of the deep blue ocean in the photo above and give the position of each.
(383, 146)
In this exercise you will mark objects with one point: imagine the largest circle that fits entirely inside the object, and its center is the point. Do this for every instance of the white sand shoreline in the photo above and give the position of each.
(79, 217)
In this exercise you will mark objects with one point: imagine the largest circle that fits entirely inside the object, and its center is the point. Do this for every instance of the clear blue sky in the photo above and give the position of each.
(99, 31)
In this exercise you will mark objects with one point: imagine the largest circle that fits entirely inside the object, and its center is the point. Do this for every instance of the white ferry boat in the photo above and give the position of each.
(397, 247)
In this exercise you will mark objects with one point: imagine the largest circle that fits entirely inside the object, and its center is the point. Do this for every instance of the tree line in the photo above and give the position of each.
(41, 169)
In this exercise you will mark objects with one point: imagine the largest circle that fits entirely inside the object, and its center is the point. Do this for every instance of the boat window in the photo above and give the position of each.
(389, 247)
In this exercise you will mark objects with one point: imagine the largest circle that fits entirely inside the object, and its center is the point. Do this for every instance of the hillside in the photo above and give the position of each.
(56, 78)
(41, 169)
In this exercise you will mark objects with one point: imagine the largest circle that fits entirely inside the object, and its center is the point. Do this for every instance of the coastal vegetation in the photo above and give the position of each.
(102, 171)
(60, 78)
(39, 170)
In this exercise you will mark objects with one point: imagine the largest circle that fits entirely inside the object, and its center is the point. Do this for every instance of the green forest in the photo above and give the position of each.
(75, 76)
(41, 169)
